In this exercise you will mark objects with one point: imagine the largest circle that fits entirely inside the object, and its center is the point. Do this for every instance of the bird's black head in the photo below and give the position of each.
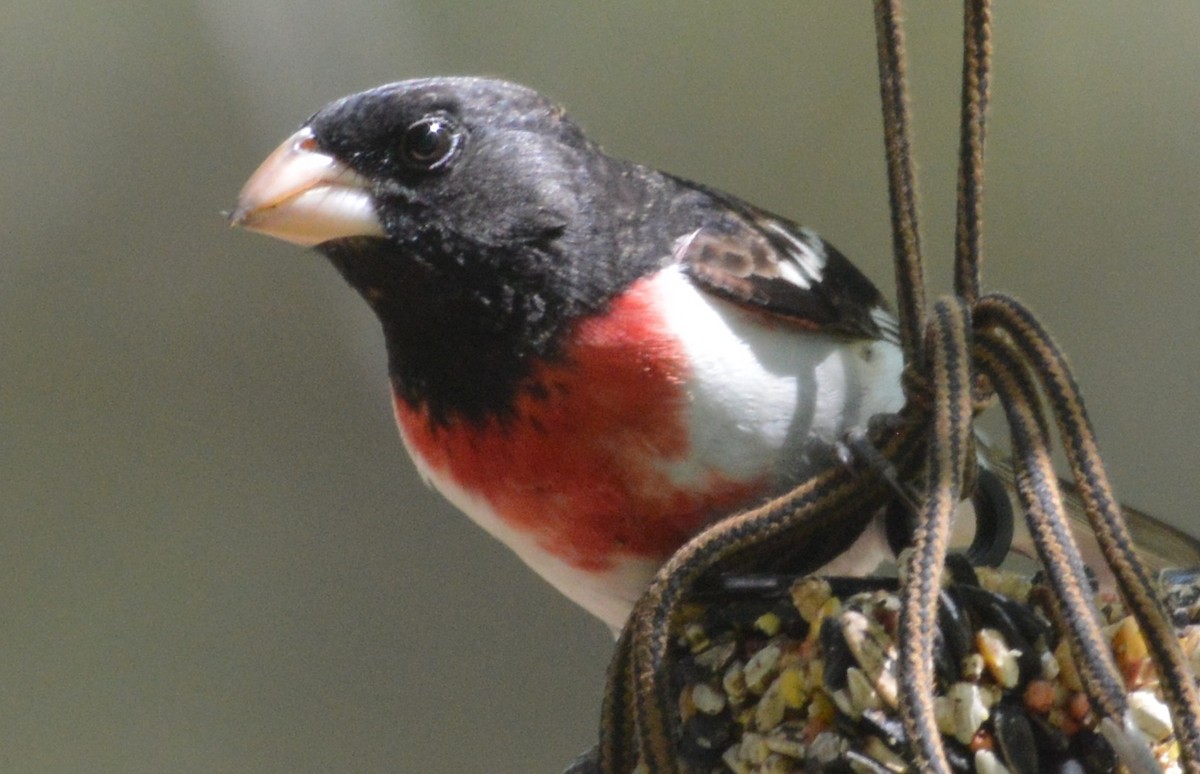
(485, 161)
(476, 219)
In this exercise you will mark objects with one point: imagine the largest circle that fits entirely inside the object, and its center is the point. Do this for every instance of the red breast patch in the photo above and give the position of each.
(579, 465)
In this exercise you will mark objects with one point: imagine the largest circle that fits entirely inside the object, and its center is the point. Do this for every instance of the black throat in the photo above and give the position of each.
(459, 340)
(465, 326)
(466, 322)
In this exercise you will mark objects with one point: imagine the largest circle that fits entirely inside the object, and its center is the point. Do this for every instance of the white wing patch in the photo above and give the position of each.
(808, 257)
(889, 326)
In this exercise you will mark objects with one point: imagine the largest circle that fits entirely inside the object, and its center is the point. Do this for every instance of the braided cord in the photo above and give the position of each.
(949, 348)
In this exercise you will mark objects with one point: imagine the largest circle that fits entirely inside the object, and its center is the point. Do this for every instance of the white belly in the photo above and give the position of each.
(765, 400)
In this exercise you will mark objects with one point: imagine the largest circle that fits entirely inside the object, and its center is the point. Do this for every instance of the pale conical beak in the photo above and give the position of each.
(305, 196)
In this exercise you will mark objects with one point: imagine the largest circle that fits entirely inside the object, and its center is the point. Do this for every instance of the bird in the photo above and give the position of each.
(591, 358)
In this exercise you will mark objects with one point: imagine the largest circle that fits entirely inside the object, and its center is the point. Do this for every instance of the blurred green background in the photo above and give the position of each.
(215, 555)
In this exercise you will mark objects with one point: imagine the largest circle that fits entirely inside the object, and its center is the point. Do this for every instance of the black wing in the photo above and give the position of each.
(769, 263)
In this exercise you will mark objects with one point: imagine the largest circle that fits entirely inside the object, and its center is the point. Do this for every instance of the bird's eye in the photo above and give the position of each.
(430, 142)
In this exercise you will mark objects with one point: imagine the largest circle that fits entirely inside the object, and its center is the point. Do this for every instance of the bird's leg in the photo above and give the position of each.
(856, 452)
(993, 513)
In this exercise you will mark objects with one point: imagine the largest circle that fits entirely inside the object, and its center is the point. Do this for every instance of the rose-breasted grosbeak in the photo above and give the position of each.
(591, 358)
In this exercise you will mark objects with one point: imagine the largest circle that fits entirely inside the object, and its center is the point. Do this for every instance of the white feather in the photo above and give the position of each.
(764, 394)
